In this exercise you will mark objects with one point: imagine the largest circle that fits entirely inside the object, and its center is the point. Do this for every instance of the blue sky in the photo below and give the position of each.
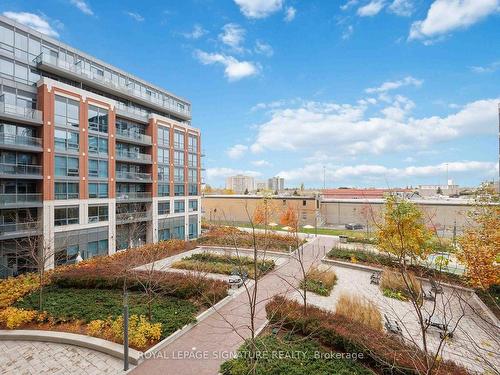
(374, 92)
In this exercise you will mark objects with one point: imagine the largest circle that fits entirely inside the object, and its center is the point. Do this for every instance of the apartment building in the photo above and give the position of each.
(240, 183)
(92, 159)
(276, 183)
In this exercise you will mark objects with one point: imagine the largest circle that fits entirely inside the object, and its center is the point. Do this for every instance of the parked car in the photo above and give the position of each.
(352, 226)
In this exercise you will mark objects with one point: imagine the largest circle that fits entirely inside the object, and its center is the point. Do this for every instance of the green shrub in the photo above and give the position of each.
(360, 256)
(319, 282)
(394, 294)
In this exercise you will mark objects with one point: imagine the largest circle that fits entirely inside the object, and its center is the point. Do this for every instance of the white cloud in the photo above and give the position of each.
(221, 172)
(233, 36)
(402, 8)
(237, 151)
(34, 21)
(259, 8)
(197, 32)
(349, 4)
(371, 9)
(290, 13)
(445, 16)
(375, 172)
(392, 85)
(261, 163)
(348, 130)
(83, 6)
(272, 105)
(347, 33)
(233, 69)
(263, 48)
(135, 16)
(491, 68)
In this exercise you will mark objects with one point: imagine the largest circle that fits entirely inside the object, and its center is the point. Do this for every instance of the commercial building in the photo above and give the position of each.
(92, 159)
(276, 184)
(240, 183)
(349, 193)
(449, 189)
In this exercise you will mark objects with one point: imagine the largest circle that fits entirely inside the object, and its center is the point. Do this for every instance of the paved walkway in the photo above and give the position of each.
(202, 349)
(39, 358)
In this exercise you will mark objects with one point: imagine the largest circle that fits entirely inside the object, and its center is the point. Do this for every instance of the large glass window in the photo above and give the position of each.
(66, 166)
(66, 255)
(193, 205)
(66, 190)
(67, 111)
(179, 190)
(98, 145)
(178, 140)
(98, 168)
(192, 175)
(179, 207)
(98, 213)
(178, 174)
(192, 143)
(66, 140)
(163, 136)
(179, 158)
(163, 208)
(97, 190)
(163, 155)
(163, 173)
(164, 234)
(66, 215)
(96, 248)
(98, 119)
(163, 190)
(192, 160)
(193, 189)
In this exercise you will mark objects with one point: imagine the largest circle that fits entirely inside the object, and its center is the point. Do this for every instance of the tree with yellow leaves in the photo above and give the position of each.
(290, 218)
(264, 211)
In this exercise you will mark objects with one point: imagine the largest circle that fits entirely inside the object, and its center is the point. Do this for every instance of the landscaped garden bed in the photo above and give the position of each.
(223, 264)
(234, 237)
(319, 281)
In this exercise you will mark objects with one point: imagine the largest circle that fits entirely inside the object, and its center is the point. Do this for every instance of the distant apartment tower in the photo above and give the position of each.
(92, 159)
(276, 183)
(261, 185)
(240, 183)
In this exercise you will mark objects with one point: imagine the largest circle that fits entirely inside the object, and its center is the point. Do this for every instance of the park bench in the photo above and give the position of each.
(392, 327)
(375, 278)
(439, 325)
(237, 278)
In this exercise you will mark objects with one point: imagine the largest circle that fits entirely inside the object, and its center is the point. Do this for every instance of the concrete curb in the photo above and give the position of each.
(89, 342)
(351, 265)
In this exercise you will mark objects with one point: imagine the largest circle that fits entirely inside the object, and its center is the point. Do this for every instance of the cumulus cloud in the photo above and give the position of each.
(34, 21)
(392, 85)
(83, 6)
(349, 4)
(490, 68)
(259, 8)
(263, 48)
(135, 16)
(233, 36)
(402, 8)
(234, 69)
(445, 16)
(237, 151)
(221, 172)
(261, 163)
(371, 9)
(197, 32)
(290, 13)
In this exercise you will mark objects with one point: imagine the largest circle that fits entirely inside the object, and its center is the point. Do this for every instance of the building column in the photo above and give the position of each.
(112, 226)
(48, 233)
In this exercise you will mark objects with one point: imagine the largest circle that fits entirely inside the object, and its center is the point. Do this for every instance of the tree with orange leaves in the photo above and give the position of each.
(290, 218)
(264, 211)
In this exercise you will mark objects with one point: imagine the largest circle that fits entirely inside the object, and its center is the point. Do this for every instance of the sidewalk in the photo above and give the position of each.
(210, 343)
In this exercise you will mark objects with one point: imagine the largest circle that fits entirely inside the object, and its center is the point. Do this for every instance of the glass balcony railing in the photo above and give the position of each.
(18, 111)
(136, 113)
(133, 156)
(133, 195)
(13, 199)
(133, 216)
(19, 227)
(133, 176)
(21, 169)
(23, 140)
(169, 103)
(133, 136)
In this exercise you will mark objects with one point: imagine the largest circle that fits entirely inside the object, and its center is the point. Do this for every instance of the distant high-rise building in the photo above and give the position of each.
(276, 183)
(240, 183)
(261, 185)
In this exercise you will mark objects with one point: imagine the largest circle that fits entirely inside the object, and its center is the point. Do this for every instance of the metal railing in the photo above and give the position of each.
(133, 176)
(12, 199)
(24, 140)
(135, 136)
(24, 112)
(133, 156)
(135, 112)
(20, 169)
(133, 216)
(133, 195)
(170, 104)
(19, 227)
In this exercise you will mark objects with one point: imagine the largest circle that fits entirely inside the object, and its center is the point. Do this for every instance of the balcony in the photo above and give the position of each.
(132, 137)
(132, 113)
(75, 71)
(20, 171)
(20, 142)
(20, 114)
(21, 200)
(13, 230)
(128, 217)
(135, 157)
(134, 176)
(137, 196)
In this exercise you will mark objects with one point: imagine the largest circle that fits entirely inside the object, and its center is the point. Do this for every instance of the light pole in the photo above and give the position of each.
(125, 330)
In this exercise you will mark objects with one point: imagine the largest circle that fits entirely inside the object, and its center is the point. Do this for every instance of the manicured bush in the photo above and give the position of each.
(386, 352)
(360, 310)
(223, 264)
(363, 240)
(393, 285)
(12, 317)
(353, 255)
(13, 288)
(319, 281)
(290, 355)
(394, 294)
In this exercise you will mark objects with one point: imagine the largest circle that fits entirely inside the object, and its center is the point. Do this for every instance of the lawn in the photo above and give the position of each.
(65, 304)
(223, 264)
(291, 355)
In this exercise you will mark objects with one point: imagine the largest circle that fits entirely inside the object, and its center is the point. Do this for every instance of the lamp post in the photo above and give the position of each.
(125, 330)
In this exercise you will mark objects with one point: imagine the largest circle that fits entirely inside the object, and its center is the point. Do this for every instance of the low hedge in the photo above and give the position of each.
(386, 352)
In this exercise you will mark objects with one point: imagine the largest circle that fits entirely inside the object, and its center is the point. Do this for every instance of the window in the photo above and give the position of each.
(163, 173)
(178, 207)
(66, 255)
(192, 160)
(192, 175)
(163, 155)
(193, 226)
(178, 140)
(163, 136)
(66, 166)
(193, 205)
(6, 67)
(179, 158)
(96, 248)
(98, 213)
(192, 143)
(66, 140)
(98, 145)
(66, 215)
(163, 190)
(98, 168)
(130, 128)
(67, 112)
(164, 234)
(304, 203)
(193, 189)
(163, 208)
(6, 35)
(179, 190)
(178, 174)
(66, 190)
(98, 119)
(98, 190)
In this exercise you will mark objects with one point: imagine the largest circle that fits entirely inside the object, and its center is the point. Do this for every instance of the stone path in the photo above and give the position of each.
(39, 358)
